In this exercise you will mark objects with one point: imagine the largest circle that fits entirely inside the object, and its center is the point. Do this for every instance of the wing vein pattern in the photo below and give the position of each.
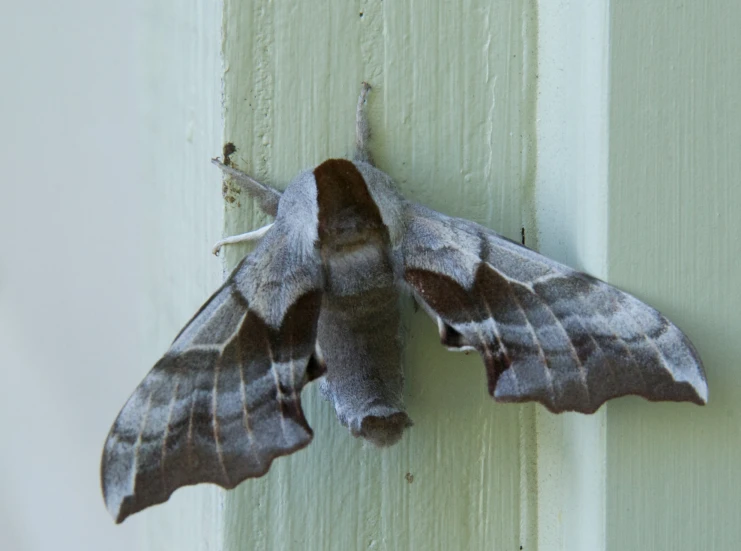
(545, 331)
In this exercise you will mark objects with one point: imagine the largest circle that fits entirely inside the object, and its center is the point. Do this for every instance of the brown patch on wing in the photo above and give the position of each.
(454, 304)
(444, 295)
(347, 213)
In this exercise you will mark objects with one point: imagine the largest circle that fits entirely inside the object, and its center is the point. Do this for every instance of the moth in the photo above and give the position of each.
(320, 298)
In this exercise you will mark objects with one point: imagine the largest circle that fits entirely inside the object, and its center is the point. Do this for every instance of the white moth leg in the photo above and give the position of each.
(362, 127)
(242, 238)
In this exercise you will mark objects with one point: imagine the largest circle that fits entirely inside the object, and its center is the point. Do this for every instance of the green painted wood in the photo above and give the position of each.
(674, 471)
(452, 112)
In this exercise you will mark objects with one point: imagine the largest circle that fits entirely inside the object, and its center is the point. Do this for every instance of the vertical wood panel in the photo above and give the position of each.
(674, 471)
(452, 114)
(571, 208)
(179, 54)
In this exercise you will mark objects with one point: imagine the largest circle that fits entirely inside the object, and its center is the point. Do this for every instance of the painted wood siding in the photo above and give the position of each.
(452, 115)
(674, 472)
(634, 110)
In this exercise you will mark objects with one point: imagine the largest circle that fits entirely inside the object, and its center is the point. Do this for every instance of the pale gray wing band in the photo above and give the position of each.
(222, 403)
(545, 332)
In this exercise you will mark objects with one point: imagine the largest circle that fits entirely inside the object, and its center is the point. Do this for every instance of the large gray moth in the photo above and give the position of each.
(319, 297)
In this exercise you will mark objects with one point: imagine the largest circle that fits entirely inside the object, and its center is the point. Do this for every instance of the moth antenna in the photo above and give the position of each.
(362, 127)
(241, 238)
(267, 198)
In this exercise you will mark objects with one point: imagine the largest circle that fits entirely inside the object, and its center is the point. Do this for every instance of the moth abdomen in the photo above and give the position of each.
(359, 335)
(384, 431)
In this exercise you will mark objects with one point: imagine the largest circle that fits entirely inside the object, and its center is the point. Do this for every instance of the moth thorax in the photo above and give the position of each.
(348, 218)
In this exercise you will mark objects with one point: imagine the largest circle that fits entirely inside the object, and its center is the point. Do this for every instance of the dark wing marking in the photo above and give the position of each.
(545, 332)
(224, 401)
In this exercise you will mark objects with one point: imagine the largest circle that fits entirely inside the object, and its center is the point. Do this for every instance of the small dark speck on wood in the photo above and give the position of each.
(409, 477)
(229, 148)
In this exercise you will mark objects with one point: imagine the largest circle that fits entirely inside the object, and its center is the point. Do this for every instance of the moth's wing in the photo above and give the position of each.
(545, 332)
(224, 401)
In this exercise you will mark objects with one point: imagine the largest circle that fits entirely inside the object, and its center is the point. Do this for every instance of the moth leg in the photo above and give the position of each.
(241, 238)
(267, 198)
(362, 127)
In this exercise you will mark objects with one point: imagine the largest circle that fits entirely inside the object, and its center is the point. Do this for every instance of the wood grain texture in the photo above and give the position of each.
(451, 114)
(179, 55)
(673, 474)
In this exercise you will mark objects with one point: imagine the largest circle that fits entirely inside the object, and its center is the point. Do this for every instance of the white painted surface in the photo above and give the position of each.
(571, 213)
(181, 106)
(72, 221)
(109, 113)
